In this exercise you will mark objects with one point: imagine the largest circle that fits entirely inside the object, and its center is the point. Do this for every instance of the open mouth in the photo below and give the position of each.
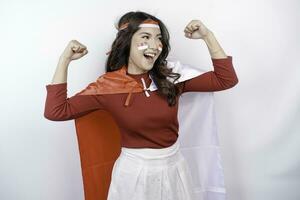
(149, 56)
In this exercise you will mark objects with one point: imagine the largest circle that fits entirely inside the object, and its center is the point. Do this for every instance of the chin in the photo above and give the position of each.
(149, 67)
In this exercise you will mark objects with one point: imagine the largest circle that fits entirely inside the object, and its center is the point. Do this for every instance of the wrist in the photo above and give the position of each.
(63, 63)
(64, 59)
(208, 36)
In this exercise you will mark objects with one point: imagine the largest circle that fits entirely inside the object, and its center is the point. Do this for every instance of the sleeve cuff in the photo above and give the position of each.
(222, 60)
(57, 86)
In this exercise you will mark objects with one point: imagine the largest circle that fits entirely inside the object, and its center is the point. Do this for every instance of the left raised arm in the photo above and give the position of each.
(223, 77)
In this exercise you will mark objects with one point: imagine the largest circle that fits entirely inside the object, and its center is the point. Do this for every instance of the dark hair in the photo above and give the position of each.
(120, 51)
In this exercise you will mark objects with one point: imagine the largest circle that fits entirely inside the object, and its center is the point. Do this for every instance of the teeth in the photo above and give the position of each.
(150, 54)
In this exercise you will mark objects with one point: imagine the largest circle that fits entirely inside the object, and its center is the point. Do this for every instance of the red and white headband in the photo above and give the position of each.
(146, 23)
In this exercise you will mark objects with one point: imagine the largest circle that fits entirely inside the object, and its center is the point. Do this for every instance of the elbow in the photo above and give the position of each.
(233, 83)
(233, 80)
(47, 114)
(60, 112)
(53, 117)
(50, 117)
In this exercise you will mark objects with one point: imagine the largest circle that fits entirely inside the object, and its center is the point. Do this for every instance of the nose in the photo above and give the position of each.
(153, 44)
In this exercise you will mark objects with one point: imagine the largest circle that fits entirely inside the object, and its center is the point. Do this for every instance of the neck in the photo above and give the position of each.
(134, 69)
(142, 74)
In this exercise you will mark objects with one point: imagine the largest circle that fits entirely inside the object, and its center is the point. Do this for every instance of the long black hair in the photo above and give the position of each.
(120, 51)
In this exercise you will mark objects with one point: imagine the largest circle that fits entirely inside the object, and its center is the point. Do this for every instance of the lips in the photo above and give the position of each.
(153, 54)
(149, 58)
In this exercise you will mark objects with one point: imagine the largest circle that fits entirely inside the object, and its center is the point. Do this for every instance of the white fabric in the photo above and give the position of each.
(151, 174)
(198, 136)
(149, 25)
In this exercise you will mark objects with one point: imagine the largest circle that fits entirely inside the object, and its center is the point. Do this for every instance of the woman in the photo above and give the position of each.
(150, 165)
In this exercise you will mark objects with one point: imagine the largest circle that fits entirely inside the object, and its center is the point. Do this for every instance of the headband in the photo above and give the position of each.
(146, 23)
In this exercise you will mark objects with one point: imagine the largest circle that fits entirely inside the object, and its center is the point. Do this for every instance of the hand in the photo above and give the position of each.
(196, 30)
(74, 50)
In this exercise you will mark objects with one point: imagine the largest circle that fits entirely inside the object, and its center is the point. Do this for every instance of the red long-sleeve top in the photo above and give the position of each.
(148, 122)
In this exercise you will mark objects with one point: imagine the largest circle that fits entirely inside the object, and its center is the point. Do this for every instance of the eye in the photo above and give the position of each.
(160, 38)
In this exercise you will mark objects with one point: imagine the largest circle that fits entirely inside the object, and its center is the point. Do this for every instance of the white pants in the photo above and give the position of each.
(151, 174)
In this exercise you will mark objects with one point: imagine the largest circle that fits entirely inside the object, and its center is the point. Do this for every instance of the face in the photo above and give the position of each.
(146, 47)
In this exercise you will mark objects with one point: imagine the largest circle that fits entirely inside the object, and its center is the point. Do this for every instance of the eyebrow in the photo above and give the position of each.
(148, 33)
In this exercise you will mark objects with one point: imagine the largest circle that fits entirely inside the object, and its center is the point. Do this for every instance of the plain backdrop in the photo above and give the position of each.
(258, 119)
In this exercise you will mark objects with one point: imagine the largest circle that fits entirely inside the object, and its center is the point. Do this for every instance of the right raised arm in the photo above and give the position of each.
(58, 107)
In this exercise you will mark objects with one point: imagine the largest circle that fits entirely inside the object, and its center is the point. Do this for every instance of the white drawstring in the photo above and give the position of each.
(145, 88)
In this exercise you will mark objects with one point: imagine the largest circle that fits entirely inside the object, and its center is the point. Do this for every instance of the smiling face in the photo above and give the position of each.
(146, 47)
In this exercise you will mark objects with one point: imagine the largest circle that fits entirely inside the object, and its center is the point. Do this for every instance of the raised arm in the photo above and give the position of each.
(223, 77)
(58, 107)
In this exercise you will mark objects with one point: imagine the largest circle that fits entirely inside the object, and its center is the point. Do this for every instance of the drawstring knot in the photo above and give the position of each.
(145, 88)
(129, 94)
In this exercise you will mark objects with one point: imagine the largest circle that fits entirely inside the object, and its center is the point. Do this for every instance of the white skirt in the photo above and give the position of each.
(151, 174)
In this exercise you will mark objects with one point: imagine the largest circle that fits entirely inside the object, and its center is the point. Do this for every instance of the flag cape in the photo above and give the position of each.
(99, 137)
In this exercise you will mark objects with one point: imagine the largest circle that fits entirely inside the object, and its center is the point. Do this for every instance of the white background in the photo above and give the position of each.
(258, 119)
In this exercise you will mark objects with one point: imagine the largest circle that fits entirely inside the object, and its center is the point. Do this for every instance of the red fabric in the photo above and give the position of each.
(146, 121)
(99, 146)
(104, 123)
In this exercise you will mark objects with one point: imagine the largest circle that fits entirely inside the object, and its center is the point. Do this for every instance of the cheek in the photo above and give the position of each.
(136, 54)
(160, 48)
(142, 46)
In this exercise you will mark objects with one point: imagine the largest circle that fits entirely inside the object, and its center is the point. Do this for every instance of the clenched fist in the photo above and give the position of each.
(196, 30)
(74, 50)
